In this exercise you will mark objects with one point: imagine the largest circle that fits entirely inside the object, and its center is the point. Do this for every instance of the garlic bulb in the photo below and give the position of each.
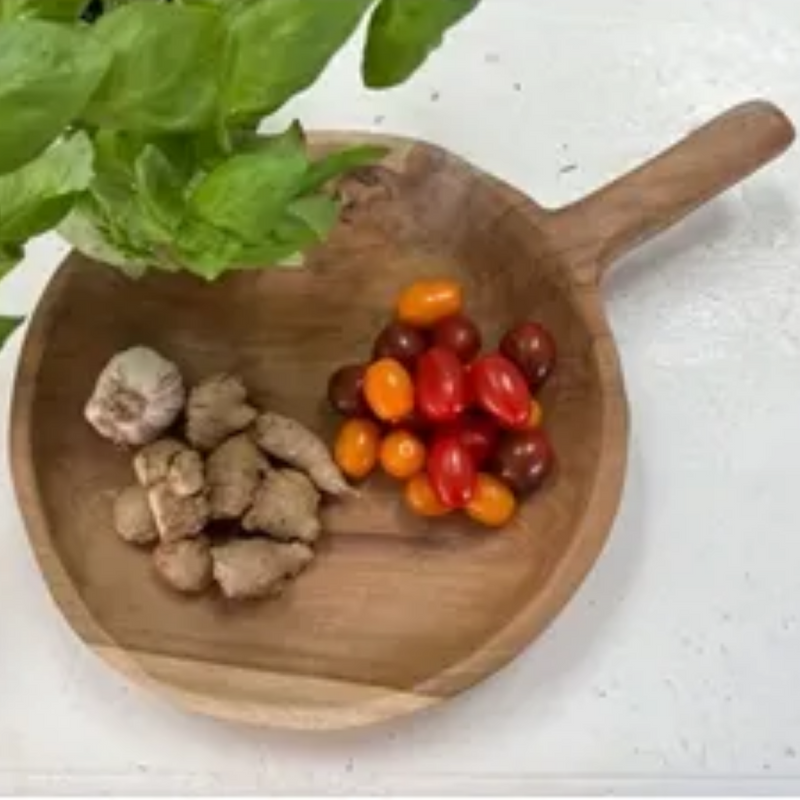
(137, 397)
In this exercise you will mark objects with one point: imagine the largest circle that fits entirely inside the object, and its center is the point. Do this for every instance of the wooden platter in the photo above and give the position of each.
(396, 614)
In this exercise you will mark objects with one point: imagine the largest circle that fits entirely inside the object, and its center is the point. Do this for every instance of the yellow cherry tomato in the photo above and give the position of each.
(389, 390)
(494, 503)
(402, 455)
(425, 303)
(422, 499)
(536, 416)
(356, 448)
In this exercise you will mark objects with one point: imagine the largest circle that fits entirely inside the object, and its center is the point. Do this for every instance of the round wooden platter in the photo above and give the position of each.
(395, 614)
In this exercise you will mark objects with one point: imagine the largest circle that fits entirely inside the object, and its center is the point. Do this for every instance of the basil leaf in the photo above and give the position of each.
(340, 163)
(279, 48)
(319, 214)
(160, 186)
(39, 195)
(57, 10)
(247, 194)
(205, 250)
(7, 326)
(165, 72)
(47, 74)
(10, 256)
(403, 33)
(87, 229)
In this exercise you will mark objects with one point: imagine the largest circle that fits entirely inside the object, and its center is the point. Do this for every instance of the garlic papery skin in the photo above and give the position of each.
(138, 396)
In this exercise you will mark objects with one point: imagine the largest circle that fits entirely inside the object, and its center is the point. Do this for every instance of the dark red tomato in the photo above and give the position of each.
(531, 347)
(479, 434)
(415, 422)
(441, 386)
(523, 459)
(401, 342)
(500, 389)
(452, 472)
(346, 391)
(459, 334)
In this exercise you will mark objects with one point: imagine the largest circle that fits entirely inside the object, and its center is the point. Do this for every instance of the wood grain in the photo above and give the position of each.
(396, 613)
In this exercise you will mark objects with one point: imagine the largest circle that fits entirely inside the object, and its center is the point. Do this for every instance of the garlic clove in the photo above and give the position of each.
(137, 397)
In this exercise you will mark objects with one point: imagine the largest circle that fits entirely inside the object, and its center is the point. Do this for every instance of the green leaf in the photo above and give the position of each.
(165, 73)
(403, 33)
(87, 230)
(47, 74)
(319, 213)
(10, 256)
(57, 10)
(7, 326)
(280, 47)
(205, 250)
(39, 195)
(160, 184)
(340, 163)
(124, 190)
(248, 193)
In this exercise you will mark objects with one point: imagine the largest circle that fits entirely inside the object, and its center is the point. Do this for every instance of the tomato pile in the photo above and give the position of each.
(462, 429)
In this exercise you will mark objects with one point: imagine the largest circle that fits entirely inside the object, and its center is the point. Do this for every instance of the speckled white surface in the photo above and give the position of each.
(676, 666)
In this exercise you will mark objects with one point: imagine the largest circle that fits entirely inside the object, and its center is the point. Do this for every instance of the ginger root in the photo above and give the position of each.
(286, 508)
(233, 472)
(217, 408)
(289, 441)
(170, 461)
(133, 519)
(177, 517)
(185, 565)
(186, 475)
(248, 569)
(151, 464)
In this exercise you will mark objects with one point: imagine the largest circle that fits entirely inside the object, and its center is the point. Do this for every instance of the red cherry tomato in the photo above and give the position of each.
(452, 472)
(401, 342)
(501, 390)
(459, 334)
(531, 347)
(523, 460)
(441, 386)
(478, 433)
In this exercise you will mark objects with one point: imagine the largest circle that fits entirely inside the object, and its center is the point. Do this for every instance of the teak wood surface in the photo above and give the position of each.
(395, 614)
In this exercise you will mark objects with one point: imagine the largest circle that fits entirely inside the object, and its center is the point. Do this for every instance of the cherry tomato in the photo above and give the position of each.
(415, 422)
(494, 503)
(531, 347)
(424, 303)
(459, 334)
(402, 342)
(500, 389)
(421, 498)
(536, 415)
(441, 386)
(356, 448)
(346, 391)
(402, 454)
(389, 390)
(452, 472)
(523, 459)
(478, 433)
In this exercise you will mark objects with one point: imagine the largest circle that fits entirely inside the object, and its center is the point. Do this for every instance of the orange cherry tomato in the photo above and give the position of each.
(389, 390)
(536, 416)
(422, 499)
(494, 503)
(356, 448)
(425, 303)
(402, 455)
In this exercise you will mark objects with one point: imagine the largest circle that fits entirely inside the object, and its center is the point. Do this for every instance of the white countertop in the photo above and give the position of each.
(676, 666)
